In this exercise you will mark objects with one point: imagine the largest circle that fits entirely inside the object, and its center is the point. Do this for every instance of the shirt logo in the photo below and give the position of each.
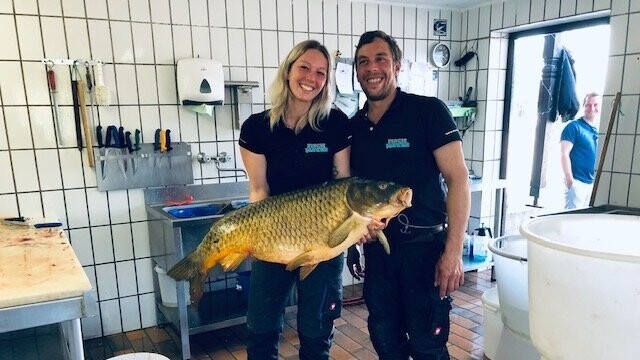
(397, 143)
(316, 148)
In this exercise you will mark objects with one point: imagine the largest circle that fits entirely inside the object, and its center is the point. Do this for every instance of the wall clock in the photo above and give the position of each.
(441, 55)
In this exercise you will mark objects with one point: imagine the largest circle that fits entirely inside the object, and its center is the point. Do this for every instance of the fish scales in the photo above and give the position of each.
(282, 219)
(299, 229)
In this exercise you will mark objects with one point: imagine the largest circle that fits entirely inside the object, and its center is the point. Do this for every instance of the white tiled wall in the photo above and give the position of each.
(139, 41)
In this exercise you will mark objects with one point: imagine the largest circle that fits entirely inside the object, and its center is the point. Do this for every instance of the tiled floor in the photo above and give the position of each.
(351, 336)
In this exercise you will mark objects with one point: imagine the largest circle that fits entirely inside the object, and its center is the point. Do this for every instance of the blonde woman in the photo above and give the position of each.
(299, 142)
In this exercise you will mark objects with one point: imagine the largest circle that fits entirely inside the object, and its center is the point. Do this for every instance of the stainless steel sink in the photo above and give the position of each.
(203, 210)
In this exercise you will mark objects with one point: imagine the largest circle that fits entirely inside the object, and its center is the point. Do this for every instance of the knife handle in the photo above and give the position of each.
(163, 140)
(168, 140)
(137, 140)
(112, 135)
(99, 136)
(127, 136)
(156, 140)
(51, 78)
(121, 138)
(47, 224)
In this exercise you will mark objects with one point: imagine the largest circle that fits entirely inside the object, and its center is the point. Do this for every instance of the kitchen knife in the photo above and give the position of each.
(168, 145)
(156, 146)
(114, 136)
(137, 140)
(101, 149)
(123, 147)
(51, 79)
(90, 91)
(76, 110)
(129, 145)
(163, 145)
(32, 222)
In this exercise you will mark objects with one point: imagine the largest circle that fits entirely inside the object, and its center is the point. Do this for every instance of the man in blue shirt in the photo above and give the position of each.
(578, 144)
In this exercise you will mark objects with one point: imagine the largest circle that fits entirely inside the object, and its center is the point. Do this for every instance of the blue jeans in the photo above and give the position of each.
(319, 303)
(406, 315)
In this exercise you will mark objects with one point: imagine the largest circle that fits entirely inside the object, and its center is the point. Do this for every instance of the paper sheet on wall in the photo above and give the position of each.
(418, 83)
(356, 83)
(362, 98)
(344, 76)
(404, 75)
(348, 104)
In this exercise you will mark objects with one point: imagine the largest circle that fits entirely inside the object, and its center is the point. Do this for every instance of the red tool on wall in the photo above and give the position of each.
(53, 90)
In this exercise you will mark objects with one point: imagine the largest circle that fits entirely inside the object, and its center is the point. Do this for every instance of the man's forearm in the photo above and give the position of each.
(458, 208)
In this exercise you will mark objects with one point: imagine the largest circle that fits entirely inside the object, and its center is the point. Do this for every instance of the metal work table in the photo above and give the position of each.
(41, 283)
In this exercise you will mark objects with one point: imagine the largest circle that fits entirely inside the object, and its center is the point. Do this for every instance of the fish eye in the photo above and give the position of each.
(382, 186)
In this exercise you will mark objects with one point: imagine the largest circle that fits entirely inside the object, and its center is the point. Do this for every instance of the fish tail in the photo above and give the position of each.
(192, 268)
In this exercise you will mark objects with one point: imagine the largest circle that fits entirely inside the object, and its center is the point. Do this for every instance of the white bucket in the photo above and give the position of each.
(492, 322)
(584, 285)
(168, 292)
(511, 269)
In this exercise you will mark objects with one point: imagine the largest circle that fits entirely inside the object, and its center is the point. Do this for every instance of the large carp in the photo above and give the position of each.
(300, 229)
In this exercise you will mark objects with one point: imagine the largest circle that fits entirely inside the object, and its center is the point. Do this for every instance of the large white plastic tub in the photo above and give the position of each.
(510, 261)
(584, 285)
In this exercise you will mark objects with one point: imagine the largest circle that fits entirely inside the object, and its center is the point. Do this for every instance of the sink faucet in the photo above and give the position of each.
(220, 158)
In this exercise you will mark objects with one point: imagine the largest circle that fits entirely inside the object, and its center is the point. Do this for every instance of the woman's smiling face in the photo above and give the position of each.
(308, 75)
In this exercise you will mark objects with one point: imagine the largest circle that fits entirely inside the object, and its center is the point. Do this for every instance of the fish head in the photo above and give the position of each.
(378, 199)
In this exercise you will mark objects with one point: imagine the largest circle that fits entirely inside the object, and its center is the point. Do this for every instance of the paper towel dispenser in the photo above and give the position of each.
(200, 81)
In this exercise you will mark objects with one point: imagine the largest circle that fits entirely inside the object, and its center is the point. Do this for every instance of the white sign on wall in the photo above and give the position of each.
(440, 27)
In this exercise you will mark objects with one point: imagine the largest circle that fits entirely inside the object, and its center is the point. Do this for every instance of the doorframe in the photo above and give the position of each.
(509, 75)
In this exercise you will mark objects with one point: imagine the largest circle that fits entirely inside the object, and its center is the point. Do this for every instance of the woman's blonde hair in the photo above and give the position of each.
(280, 93)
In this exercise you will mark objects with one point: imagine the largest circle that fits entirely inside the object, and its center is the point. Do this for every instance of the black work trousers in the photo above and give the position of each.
(406, 314)
(319, 303)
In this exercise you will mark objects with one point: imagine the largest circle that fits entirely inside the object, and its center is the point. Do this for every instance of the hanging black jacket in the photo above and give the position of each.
(567, 99)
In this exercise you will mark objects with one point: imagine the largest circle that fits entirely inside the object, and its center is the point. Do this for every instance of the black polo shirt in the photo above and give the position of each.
(400, 148)
(296, 161)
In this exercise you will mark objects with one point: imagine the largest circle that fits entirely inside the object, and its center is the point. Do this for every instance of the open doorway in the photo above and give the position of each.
(532, 165)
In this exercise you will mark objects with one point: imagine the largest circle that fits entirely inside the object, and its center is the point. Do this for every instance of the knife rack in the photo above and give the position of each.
(117, 169)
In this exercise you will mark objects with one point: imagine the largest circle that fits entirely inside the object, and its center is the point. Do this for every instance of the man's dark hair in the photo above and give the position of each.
(370, 36)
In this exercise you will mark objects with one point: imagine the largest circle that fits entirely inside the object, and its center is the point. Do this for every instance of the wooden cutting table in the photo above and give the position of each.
(41, 283)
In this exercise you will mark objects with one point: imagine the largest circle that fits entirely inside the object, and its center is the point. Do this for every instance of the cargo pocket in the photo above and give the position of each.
(333, 297)
(440, 322)
(332, 305)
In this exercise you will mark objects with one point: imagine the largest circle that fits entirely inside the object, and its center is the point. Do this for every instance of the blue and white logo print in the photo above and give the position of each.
(316, 148)
(397, 143)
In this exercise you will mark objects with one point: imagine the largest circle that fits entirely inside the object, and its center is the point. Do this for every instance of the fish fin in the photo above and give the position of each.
(305, 259)
(342, 231)
(231, 261)
(384, 241)
(306, 270)
(308, 261)
(192, 268)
